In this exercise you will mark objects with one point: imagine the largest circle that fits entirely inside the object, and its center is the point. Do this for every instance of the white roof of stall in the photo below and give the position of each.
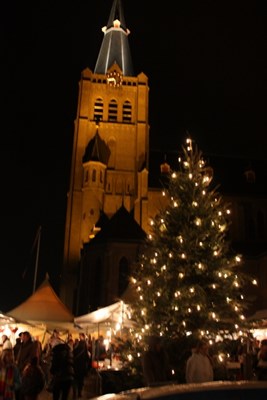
(6, 320)
(44, 308)
(116, 313)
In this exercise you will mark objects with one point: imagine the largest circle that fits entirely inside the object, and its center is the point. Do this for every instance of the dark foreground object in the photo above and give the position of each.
(219, 390)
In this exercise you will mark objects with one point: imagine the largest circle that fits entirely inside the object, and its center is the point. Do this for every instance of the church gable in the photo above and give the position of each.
(122, 226)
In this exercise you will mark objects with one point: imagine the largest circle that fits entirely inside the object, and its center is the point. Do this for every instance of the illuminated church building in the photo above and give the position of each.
(112, 195)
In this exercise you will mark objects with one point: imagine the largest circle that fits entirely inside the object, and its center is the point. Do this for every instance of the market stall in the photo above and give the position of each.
(43, 311)
(107, 322)
(259, 320)
(10, 327)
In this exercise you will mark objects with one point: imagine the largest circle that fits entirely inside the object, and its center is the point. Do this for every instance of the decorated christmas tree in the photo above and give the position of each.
(188, 281)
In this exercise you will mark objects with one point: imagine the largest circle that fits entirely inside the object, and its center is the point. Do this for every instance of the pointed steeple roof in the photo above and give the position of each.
(97, 150)
(115, 45)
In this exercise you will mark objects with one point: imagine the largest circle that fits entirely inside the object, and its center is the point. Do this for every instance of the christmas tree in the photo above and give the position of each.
(189, 283)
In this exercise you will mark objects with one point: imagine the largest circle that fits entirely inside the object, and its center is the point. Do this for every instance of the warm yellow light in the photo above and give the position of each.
(180, 239)
(198, 221)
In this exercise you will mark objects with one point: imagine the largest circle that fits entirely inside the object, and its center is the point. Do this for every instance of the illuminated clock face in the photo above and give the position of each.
(114, 78)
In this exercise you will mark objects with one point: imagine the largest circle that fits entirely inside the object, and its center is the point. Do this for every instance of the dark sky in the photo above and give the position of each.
(207, 69)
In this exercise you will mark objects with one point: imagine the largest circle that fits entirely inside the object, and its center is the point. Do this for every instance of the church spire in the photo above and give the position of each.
(115, 45)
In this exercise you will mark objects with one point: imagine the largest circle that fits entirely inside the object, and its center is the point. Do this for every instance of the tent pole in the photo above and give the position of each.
(37, 259)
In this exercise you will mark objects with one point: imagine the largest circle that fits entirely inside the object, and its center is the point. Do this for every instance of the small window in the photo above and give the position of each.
(127, 112)
(98, 110)
(112, 111)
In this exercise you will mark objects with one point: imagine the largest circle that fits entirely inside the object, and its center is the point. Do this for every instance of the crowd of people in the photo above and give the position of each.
(200, 365)
(61, 366)
(27, 367)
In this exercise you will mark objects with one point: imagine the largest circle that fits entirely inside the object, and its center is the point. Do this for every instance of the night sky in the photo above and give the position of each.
(207, 69)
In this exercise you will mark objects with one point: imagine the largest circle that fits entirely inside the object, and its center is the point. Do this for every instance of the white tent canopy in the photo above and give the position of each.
(44, 309)
(117, 313)
(12, 327)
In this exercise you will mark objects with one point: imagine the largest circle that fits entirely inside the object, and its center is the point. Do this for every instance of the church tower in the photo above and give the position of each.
(110, 147)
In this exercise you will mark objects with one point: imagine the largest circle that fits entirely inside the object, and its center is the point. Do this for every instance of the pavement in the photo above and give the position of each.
(91, 389)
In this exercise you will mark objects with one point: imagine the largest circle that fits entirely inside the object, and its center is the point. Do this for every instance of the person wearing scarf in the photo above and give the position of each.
(10, 379)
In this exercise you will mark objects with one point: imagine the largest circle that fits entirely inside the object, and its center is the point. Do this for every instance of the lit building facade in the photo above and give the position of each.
(111, 194)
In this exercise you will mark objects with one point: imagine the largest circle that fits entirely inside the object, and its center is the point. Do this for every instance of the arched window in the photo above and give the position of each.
(94, 175)
(97, 278)
(98, 109)
(86, 176)
(123, 276)
(127, 112)
(108, 187)
(112, 110)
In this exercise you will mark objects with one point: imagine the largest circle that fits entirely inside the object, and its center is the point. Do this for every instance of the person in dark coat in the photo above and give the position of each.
(17, 347)
(27, 351)
(155, 363)
(62, 371)
(32, 380)
(81, 361)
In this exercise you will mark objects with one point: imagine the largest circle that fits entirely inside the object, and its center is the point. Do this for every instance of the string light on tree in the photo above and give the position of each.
(199, 292)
